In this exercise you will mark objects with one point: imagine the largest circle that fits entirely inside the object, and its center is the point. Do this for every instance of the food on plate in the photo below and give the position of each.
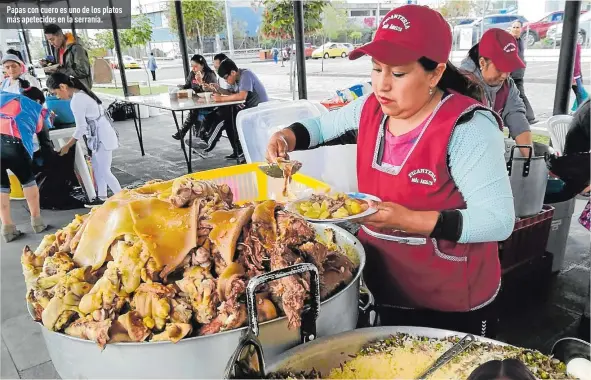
(289, 168)
(171, 260)
(404, 356)
(334, 206)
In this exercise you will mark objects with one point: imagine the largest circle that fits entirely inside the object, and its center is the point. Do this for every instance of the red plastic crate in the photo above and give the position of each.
(528, 240)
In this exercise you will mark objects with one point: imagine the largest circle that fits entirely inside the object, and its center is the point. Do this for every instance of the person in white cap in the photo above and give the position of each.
(15, 70)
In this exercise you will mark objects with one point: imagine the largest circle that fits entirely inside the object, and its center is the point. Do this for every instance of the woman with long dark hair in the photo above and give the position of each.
(199, 79)
(434, 154)
(91, 124)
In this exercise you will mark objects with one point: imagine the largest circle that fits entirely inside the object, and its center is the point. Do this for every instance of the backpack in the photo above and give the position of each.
(120, 111)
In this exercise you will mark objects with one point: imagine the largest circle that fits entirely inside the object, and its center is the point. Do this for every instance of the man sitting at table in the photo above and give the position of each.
(243, 85)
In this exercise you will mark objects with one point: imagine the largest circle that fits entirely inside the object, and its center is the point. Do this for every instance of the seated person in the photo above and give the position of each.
(21, 117)
(199, 78)
(245, 86)
(573, 166)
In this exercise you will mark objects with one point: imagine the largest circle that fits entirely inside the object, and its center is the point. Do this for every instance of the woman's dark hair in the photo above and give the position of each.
(35, 94)
(220, 57)
(197, 58)
(453, 79)
(23, 83)
(54, 81)
(474, 54)
(511, 369)
(15, 52)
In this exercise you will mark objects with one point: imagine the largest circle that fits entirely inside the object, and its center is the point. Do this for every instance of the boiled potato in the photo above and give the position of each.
(312, 214)
(324, 215)
(340, 213)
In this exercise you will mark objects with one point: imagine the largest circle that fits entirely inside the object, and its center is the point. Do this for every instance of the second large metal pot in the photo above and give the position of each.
(529, 177)
(203, 356)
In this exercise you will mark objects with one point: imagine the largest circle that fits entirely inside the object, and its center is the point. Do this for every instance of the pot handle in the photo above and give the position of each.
(366, 309)
(235, 369)
(526, 165)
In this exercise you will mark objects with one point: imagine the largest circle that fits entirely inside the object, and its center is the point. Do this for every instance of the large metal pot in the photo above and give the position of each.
(204, 356)
(328, 353)
(529, 177)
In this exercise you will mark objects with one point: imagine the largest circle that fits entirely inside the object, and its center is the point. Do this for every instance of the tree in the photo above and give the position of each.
(278, 19)
(202, 18)
(140, 32)
(355, 36)
(453, 9)
(105, 39)
(334, 21)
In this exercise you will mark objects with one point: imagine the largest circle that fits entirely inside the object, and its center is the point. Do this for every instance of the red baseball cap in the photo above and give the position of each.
(408, 33)
(501, 48)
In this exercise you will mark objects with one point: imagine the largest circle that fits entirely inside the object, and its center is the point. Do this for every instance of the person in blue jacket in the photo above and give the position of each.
(21, 117)
(152, 66)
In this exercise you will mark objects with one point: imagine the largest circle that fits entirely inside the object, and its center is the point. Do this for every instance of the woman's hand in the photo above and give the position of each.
(390, 216)
(277, 147)
(65, 149)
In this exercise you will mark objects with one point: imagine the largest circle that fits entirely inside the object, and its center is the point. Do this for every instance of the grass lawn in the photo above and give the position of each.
(119, 91)
(537, 138)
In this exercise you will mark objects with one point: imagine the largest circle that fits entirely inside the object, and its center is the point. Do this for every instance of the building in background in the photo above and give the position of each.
(246, 19)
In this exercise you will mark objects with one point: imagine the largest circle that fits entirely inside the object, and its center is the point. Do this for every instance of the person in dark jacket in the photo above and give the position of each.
(573, 166)
(518, 74)
(199, 80)
(72, 58)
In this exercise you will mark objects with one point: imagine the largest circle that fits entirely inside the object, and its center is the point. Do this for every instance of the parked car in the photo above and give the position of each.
(555, 31)
(330, 50)
(308, 49)
(128, 61)
(349, 46)
(482, 24)
(538, 29)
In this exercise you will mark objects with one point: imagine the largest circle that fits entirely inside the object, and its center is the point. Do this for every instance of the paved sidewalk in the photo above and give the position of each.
(23, 352)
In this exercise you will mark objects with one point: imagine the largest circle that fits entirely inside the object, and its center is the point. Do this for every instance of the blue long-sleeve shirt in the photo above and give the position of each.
(476, 161)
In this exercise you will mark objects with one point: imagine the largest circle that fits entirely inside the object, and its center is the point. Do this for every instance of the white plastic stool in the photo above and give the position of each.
(558, 128)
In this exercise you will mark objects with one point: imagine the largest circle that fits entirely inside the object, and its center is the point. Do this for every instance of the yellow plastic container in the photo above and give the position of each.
(16, 190)
(248, 183)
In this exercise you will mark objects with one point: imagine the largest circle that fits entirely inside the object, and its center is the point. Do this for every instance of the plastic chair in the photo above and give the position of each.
(558, 128)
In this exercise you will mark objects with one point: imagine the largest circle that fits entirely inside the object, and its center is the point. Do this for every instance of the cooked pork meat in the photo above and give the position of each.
(293, 229)
(199, 288)
(291, 290)
(87, 328)
(173, 332)
(152, 302)
(134, 325)
(338, 270)
(185, 190)
(315, 253)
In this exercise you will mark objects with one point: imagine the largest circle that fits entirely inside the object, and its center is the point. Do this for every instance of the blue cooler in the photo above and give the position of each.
(64, 117)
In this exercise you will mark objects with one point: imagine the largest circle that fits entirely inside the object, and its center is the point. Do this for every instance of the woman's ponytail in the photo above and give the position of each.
(55, 79)
(80, 86)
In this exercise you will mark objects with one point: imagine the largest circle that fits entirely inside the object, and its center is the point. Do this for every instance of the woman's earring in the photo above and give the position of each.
(430, 91)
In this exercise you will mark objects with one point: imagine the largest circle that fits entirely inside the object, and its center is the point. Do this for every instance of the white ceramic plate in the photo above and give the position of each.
(365, 197)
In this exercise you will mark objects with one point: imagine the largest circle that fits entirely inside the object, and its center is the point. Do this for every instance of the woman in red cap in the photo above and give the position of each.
(436, 159)
(490, 62)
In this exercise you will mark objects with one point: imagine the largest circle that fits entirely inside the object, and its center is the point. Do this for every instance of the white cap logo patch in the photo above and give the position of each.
(510, 47)
(388, 23)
